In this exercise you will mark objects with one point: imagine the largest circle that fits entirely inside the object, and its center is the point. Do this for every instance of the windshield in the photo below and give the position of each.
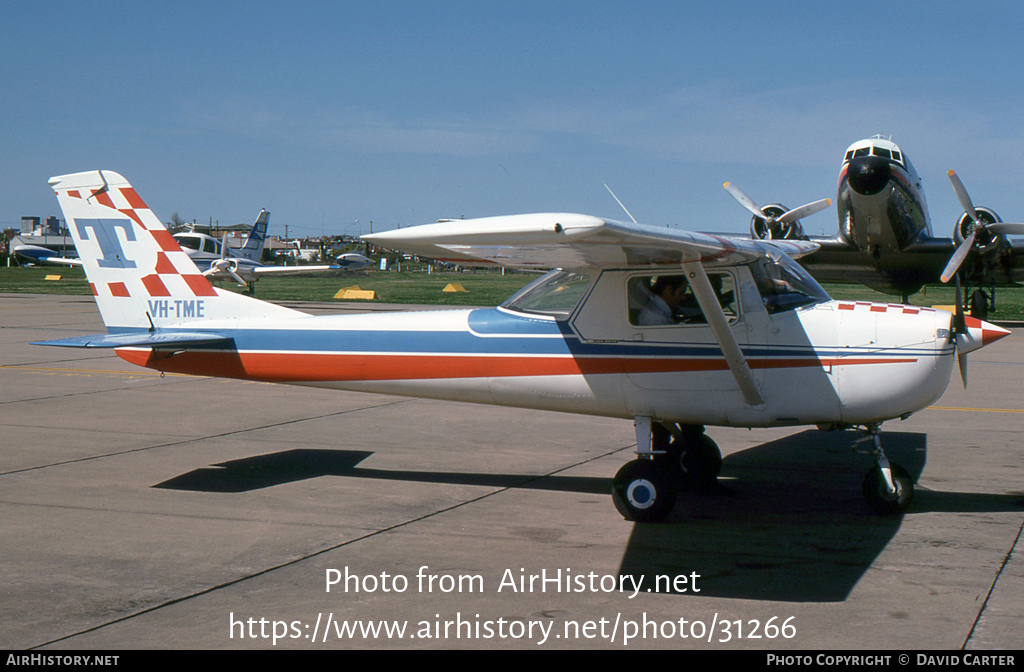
(191, 242)
(555, 294)
(784, 284)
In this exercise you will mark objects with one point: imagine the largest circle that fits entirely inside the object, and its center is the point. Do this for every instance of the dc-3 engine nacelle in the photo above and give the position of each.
(985, 241)
(767, 228)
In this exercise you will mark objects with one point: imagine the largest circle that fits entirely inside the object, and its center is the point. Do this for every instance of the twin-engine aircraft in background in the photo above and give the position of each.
(885, 237)
(219, 261)
(669, 329)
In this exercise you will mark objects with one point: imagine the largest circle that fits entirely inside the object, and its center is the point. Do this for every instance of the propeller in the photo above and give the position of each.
(777, 226)
(961, 252)
(959, 326)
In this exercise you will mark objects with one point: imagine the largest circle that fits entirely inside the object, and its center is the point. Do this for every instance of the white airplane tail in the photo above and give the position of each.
(139, 275)
(254, 242)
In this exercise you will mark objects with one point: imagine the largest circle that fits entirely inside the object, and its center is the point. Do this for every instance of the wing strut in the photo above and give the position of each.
(720, 328)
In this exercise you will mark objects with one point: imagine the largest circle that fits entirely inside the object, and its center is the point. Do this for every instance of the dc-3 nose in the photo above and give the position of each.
(979, 334)
(868, 175)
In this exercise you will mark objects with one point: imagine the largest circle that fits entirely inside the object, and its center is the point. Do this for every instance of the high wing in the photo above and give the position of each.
(566, 240)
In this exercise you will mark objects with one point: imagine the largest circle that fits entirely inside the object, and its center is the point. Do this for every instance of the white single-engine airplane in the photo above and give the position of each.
(37, 254)
(219, 261)
(885, 236)
(670, 329)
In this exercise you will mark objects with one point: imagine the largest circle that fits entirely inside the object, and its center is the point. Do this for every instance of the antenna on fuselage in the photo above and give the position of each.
(619, 202)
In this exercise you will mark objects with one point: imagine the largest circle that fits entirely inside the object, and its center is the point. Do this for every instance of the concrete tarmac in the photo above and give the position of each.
(141, 511)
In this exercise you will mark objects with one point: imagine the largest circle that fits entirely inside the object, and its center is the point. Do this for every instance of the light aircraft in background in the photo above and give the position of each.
(885, 238)
(37, 254)
(671, 330)
(219, 261)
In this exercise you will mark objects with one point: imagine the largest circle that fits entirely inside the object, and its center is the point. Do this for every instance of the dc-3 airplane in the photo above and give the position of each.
(670, 329)
(219, 261)
(885, 237)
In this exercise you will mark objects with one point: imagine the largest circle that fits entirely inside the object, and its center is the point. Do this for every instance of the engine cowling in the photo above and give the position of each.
(767, 228)
(985, 242)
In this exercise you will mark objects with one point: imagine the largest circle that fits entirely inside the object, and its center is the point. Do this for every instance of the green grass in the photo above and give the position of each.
(484, 288)
(33, 280)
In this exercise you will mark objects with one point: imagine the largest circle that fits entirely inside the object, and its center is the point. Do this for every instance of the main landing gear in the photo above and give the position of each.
(887, 488)
(669, 458)
(673, 457)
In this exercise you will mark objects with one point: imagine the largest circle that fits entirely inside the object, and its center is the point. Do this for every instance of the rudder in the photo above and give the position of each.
(139, 275)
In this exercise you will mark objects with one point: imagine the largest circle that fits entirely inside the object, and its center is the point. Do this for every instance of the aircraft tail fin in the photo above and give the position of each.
(253, 248)
(139, 275)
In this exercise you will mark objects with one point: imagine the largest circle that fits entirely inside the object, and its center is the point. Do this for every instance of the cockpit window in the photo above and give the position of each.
(785, 285)
(881, 151)
(897, 156)
(863, 151)
(660, 300)
(555, 294)
(191, 242)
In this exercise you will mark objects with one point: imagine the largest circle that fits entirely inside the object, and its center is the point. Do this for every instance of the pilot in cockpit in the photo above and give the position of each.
(671, 302)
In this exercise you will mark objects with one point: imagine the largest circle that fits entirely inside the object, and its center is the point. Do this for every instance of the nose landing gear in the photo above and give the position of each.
(888, 487)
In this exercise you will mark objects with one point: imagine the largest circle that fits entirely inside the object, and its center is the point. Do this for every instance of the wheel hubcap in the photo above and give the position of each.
(641, 493)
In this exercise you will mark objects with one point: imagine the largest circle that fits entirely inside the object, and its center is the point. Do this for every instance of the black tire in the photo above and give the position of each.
(876, 493)
(979, 304)
(642, 492)
(701, 461)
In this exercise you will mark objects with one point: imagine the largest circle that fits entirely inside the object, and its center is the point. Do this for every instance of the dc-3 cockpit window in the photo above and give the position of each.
(659, 300)
(555, 294)
(785, 285)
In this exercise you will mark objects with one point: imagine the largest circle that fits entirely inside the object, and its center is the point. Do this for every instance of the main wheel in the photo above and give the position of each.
(642, 492)
(877, 494)
(701, 461)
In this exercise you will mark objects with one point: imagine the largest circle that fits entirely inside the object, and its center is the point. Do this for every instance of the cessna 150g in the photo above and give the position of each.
(670, 329)
(219, 261)
(885, 238)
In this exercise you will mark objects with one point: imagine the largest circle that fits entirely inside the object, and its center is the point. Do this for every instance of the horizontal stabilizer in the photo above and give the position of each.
(152, 339)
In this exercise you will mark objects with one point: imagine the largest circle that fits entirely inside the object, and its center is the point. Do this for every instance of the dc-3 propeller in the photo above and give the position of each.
(958, 327)
(1003, 228)
(777, 227)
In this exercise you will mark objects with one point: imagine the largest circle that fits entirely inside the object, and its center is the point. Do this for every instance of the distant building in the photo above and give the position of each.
(31, 226)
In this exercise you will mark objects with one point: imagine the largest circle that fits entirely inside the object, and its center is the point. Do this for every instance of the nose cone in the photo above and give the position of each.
(868, 175)
(979, 334)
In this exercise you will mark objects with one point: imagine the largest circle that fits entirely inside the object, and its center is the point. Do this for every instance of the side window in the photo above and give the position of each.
(659, 300)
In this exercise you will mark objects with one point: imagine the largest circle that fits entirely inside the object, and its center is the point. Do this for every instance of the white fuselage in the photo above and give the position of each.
(833, 362)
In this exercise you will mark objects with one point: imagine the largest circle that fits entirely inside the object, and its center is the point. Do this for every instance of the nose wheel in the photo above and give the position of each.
(877, 494)
(888, 487)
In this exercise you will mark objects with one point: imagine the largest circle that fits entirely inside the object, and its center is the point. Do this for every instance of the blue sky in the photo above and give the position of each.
(328, 113)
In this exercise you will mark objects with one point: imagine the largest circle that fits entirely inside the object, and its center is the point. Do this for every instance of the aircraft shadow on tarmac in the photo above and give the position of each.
(786, 522)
